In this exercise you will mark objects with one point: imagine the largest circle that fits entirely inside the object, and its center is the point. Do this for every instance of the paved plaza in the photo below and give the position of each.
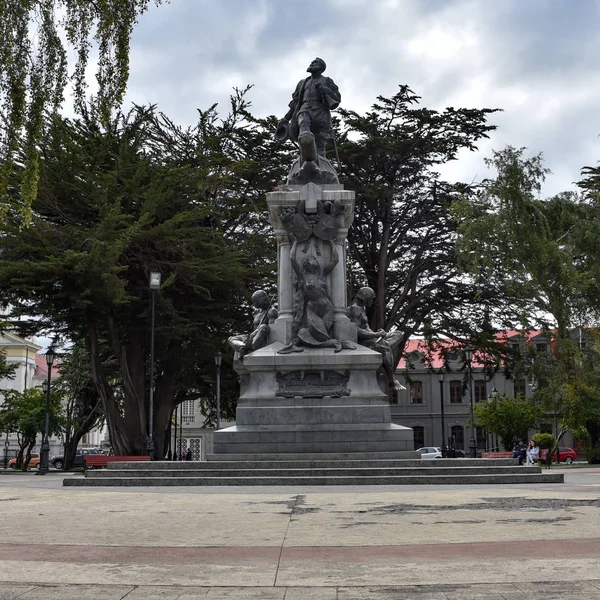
(359, 543)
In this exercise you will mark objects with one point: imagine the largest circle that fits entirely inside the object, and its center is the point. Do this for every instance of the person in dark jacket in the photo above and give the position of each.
(520, 451)
(188, 454)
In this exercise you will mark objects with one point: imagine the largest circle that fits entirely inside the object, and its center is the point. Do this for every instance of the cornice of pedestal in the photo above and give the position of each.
(289, 196)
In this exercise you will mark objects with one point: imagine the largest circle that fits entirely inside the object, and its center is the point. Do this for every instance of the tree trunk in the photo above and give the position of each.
(382, 269)
(74, 435)
(69, 451)
(132, 365)
(27, 460)
(114, 421)
(164, 399)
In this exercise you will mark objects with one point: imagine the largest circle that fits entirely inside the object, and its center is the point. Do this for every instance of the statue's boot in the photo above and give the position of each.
(308, 146)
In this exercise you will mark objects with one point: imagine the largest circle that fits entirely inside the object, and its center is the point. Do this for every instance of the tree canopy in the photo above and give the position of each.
(403, 240)
(116, 202)
(35, 36)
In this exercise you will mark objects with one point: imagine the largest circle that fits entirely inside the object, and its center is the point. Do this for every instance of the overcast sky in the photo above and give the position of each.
(535, 59)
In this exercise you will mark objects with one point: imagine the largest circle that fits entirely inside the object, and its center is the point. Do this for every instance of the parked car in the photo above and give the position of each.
(58, 461)
(430, 452)
(34, 463)
(566, 455)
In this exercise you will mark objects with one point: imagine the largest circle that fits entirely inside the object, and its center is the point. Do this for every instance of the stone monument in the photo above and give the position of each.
(308, 372)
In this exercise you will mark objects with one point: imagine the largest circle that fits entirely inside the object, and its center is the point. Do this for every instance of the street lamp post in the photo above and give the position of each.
(472, 442)
(175, 445)
(154, 285)
(218, 357)
(444, 447)
(493, 392)
(181, 431)
(45, 450)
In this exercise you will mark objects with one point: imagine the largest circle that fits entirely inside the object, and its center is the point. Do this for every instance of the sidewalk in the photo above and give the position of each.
(379, 543)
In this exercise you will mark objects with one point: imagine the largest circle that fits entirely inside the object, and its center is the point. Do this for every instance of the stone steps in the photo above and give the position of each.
(482, 479)
(314, 472)
(316, 456)
(317, 464)
(268, 472)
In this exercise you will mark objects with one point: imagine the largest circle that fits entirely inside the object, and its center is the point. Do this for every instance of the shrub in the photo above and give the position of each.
(592, 454)
(544, 440)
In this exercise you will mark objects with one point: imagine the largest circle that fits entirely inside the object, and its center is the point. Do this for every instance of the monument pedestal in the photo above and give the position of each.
(316, 401)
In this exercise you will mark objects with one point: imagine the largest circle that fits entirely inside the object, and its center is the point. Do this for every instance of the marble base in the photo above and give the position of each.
(356, 416)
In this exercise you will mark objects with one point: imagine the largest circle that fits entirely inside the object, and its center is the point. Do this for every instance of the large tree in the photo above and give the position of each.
(118, 202)
(543, 249)
(82, 405)
(35, 36)
(402, 242)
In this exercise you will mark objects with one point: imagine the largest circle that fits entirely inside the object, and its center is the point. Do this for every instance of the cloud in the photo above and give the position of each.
(536, 60)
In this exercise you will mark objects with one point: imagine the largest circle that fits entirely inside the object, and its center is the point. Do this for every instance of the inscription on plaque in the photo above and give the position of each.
(313, 384)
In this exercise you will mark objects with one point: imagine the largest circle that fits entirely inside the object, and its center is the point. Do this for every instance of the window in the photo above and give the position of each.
(456, 395)
(480, 436)
(188, 411)
(541, 347)
(519, 387)
(416, 393)
(457, 433)
(419, 436)
(479, 390)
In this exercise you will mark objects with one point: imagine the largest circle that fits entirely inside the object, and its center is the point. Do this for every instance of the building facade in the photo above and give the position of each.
(437, 407)
(32, 371)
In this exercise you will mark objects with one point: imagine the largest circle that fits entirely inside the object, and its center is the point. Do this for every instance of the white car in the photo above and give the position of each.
(430, 452)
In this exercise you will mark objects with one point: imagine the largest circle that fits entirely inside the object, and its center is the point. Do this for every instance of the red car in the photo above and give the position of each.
(34, 463)
(567, 455)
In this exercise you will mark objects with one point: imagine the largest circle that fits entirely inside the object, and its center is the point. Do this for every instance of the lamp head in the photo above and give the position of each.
(50, 355)
(468, 352)
(155, 280)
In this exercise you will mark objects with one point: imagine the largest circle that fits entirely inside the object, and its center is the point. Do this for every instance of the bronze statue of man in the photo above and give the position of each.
(310, 109)
(381, 341)
(264, 315)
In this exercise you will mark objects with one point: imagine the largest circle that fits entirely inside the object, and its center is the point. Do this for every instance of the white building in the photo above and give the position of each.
(437, 407)
(32, 371)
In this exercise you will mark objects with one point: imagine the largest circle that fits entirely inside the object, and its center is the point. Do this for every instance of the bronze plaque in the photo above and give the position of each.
(313, 384)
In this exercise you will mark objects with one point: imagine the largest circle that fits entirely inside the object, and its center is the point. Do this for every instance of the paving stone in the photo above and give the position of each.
(246, 593)
(77, 592)
(558, 587)
(10, 591)
(168, 593)
(311, 593)
(391, 593)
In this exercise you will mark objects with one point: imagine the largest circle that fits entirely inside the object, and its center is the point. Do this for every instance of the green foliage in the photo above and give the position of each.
(548, 253)
(508, 233)
(592, 454)
(402, 243)
(120, 201)
(509, 418)
(544, 440)
(34, 71)
(24, 413)
(82, 405)
(7, 370)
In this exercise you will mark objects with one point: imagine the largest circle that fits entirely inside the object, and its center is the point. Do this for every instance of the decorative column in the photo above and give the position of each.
(288, 198)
